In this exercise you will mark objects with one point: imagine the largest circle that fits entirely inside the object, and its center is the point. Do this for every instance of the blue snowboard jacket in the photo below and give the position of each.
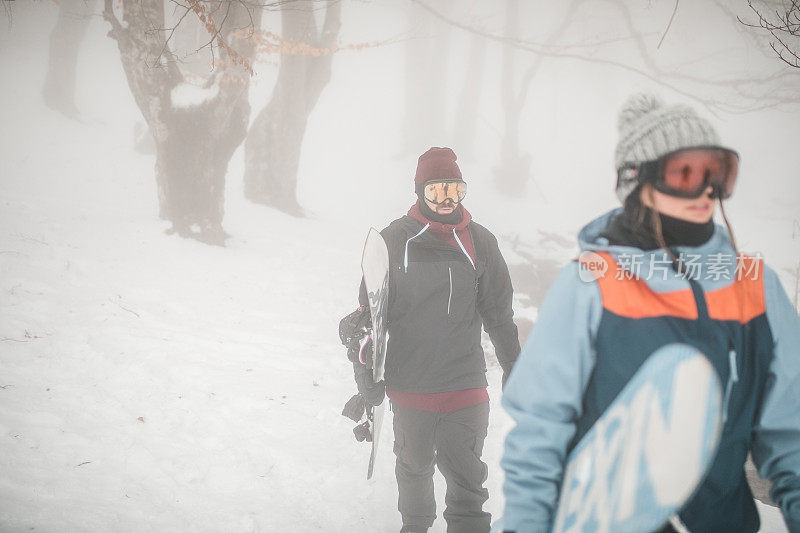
(591, 336)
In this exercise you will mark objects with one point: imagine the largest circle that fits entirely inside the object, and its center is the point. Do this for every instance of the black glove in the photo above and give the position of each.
(507, 367)
(372, 392)
(354, 408)
(375, 393)
(352, 329)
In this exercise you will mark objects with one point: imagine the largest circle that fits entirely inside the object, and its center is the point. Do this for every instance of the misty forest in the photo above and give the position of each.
(185, 190)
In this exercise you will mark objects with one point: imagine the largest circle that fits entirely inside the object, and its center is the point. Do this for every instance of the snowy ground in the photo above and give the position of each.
(149, 383)
(153, 383)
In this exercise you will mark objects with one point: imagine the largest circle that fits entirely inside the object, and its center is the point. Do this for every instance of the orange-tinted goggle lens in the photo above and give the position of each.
(439, 191)
(690, 172)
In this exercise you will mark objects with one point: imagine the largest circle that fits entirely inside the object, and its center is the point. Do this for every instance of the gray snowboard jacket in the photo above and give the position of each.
(437, 304)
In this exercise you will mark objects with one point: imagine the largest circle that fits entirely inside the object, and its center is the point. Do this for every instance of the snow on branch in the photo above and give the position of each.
(188, 95)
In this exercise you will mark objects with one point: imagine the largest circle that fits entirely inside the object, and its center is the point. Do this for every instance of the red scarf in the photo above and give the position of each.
(445, 231)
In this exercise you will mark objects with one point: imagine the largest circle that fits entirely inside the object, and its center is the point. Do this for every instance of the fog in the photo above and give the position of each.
(150, 376)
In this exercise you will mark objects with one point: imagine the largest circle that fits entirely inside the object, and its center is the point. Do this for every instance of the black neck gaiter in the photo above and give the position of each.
(451, 218)
(630, 229)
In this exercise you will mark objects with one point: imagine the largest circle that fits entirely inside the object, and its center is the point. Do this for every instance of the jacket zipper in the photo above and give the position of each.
(733, 378)
(450, 296)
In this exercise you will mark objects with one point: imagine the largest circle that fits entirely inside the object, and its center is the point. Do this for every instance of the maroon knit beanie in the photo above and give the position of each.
(437, 163)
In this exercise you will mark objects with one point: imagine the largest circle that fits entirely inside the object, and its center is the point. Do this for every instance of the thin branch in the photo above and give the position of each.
(171, 33)
(125, 308)
(669, 25)
(217, 36)
(763, 99)
(252, 24)
(788, 24)
(539, 49)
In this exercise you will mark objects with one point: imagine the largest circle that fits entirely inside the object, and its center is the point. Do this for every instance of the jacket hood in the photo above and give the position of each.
(712, 264)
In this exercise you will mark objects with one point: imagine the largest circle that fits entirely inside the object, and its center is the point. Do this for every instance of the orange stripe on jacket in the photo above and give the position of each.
(742, 300)
(633, 298)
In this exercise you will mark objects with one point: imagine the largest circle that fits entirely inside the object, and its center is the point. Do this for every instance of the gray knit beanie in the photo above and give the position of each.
(649, 129)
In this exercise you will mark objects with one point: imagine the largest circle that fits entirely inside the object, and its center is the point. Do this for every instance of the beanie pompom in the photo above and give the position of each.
(635, 107)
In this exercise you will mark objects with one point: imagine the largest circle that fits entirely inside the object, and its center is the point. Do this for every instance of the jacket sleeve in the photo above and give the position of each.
(776, 437)
(544, 397)
(495, 295)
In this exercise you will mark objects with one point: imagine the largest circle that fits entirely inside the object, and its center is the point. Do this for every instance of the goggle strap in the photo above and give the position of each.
(717, 191)
(648, 171)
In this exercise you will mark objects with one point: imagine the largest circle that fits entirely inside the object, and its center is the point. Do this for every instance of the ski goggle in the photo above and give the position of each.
(687, 173)
(438, 191)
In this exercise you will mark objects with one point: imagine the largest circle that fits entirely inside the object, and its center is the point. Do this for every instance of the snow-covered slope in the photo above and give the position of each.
(149, 382)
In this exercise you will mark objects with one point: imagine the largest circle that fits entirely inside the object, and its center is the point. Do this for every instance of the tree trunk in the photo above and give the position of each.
(191, 163)
(194, 139)
(470, 96)
(275, 140)
(427, 52)
(65, 43)
(513, 172)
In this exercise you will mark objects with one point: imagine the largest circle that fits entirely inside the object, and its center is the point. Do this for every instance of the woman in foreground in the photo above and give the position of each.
(672, 275)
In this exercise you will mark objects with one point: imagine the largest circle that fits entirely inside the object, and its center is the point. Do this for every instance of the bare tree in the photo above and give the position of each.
(273, 145)
(743, 91)
(513, 171)
(782, 21)
(195, 136)
(65, 42)
(464, 133)
(426, 64)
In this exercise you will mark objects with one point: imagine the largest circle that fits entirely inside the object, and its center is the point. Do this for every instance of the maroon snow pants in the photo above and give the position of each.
(454, 442)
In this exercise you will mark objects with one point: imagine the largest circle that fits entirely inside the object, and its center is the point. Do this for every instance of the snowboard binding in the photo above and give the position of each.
(355, 409)
(362, 432)
(353, 329)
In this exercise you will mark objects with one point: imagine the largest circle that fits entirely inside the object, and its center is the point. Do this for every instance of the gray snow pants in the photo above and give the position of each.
(454, 442)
